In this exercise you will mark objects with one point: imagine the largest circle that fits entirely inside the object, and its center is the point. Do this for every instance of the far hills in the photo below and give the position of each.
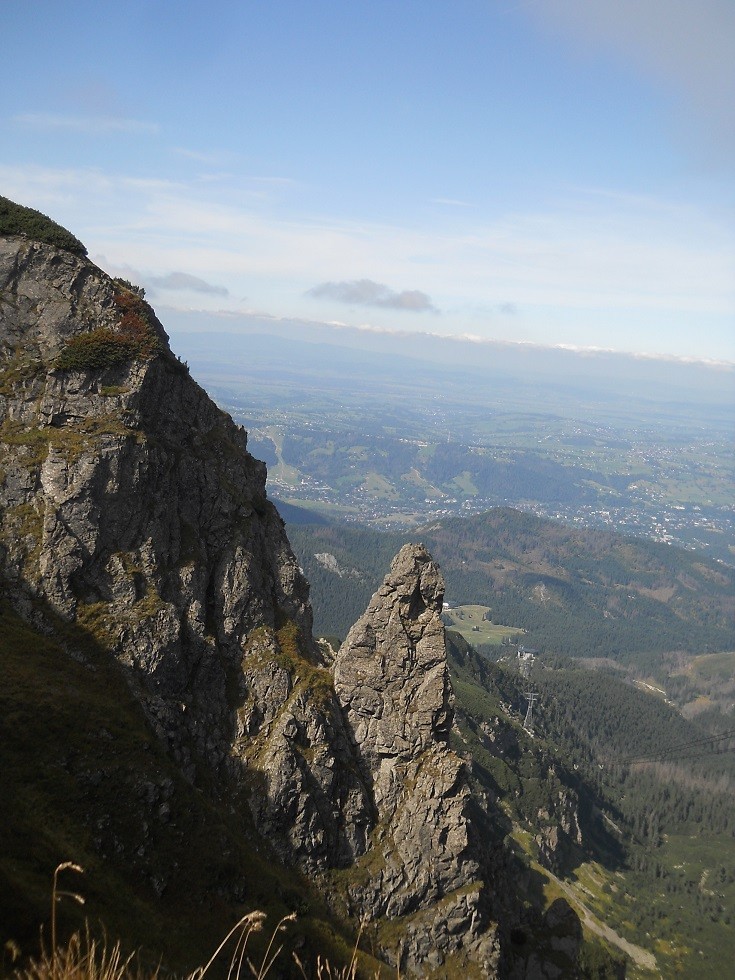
(395, 430)
(223, 349)
(575, 592)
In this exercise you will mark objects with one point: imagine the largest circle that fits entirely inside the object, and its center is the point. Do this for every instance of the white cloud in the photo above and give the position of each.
(634, 272)
(210, 159)
(365, 292)
(182, 281)
(450, 202)
(275, 181)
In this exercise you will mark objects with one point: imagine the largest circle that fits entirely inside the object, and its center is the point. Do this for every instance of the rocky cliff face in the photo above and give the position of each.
(129, 500)
(130, 505)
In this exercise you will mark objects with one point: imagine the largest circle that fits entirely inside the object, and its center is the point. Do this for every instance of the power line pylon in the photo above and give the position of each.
(528, 723)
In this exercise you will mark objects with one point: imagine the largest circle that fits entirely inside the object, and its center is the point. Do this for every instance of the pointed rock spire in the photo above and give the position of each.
(391, 674)
(392, 680)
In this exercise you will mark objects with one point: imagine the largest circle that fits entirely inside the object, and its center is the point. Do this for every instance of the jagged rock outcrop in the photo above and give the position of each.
(392, 679)
(307, 799)
(130, 505)
(558, 829)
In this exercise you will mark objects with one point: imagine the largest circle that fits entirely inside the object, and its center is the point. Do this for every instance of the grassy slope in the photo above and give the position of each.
(83, 779)
(16, 219)
(471, 624)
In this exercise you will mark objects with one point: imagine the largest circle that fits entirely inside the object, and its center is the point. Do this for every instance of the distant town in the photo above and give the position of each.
(696, 528)
(395, 467)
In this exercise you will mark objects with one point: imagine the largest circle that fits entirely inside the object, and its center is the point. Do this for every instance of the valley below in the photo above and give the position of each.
(421, 439)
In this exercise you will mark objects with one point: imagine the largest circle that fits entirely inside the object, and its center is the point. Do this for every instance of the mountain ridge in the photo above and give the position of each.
(134, 518)
(598, 594)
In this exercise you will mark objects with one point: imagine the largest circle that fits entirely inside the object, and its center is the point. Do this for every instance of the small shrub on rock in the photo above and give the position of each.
(97, 349)
(135, 337)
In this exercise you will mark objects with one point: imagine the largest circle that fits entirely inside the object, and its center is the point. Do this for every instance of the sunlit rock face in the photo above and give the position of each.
(130, 504)
(391, 674)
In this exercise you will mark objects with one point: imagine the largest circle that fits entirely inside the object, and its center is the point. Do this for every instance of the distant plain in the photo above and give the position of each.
(390, 431)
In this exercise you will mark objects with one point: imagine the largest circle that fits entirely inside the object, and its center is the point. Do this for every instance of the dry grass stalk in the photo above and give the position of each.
(86, 958)
(268, 963)
(57, 895)
(325, 970)
(248, 924)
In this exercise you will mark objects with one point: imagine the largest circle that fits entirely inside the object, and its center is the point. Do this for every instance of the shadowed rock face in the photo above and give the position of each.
(130, 504)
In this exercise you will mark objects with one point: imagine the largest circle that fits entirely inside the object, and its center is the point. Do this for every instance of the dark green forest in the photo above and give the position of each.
(615, 788)
(575, 592)
(660, 834)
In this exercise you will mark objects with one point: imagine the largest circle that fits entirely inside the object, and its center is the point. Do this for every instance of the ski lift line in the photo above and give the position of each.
(683, 747)
(528, 722)
(680, 760)
(729, 733)
(684, 756)
(688, 756)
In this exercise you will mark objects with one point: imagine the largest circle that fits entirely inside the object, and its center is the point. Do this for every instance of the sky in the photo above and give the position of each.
(555, 172)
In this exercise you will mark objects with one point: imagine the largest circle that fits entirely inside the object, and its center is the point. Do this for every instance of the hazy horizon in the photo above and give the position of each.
(554, 173)
(360, 364)
(243, 324)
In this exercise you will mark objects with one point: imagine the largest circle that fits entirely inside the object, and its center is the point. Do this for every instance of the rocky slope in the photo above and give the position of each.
(130, 507)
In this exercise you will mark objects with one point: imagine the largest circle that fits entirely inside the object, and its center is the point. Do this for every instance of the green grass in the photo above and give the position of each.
(99, 349)
(469, 621)
(24, 365)
(102, 348)
(714, 666)
(465, 484)
(288, 475)
(84, 436)
(683, 914)
(108, 391)
(675, 900)
(379, 486)
(319, 507)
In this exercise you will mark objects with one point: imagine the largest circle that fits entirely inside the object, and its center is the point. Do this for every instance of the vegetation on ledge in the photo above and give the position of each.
(102, 348)
(15, 219)
(166, 870)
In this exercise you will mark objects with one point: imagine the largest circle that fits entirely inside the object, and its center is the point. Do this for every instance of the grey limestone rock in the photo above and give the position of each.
(391, 674)
(130, 505)
(392, 679)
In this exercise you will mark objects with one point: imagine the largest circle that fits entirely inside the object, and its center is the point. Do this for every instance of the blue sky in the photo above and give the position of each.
(559, 172)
